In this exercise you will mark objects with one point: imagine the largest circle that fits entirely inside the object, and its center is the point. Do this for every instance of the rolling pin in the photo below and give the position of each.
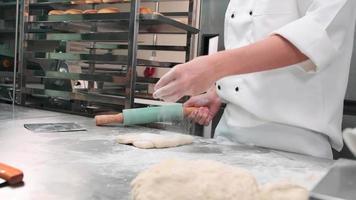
(10, 174)
(146, 115)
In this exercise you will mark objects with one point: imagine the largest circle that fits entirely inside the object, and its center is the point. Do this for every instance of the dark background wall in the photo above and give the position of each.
(212, 21)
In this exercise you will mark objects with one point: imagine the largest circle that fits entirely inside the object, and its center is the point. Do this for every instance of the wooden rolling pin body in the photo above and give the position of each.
(119, 118)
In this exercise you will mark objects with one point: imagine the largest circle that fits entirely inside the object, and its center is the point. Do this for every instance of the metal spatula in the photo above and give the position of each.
(54, 127)
(338, 184)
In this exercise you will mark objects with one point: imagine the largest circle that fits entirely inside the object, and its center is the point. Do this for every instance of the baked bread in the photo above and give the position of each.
(77, 2)
(73, 12)
(90, 11)
(145, 10)
(111, 1)
(109, 10)
(56, 12)
(93, 1)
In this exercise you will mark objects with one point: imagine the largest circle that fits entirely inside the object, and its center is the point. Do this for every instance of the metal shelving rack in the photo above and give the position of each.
(8, 44)
(45, 78)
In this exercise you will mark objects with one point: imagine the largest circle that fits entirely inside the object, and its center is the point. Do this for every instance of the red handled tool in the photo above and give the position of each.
(10, 174)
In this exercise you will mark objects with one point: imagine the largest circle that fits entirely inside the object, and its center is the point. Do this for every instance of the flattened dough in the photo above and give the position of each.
(207, 180)
(194, 180)
(150, 140)
(282, 191)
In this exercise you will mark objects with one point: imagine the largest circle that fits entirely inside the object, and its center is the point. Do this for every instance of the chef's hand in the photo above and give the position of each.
(209, 104)
(191, 78)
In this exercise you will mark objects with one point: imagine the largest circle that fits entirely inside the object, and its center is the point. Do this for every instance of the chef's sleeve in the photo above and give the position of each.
(320, 33)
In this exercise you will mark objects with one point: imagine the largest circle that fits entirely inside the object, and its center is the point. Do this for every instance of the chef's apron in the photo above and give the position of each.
(238, 125)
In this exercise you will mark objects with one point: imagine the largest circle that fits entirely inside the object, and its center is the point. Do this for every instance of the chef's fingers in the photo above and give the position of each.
(200, 116)
(197, 101)
(208, 120)
(191, 102)
(172, 98)
(165, 80)
(203, 118)
(166, 91)
(193, 115)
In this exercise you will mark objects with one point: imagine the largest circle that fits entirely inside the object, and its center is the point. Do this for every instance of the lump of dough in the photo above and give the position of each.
(194, 180)
(126, 139)
(150, 140)
(207, 180)
(282, 191)
(144, 144)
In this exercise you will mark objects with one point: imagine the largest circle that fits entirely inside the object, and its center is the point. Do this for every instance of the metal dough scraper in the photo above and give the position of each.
(339, 183)
(54, 127)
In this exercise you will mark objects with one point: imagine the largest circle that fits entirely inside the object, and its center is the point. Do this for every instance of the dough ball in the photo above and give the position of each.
(283, 191)
(194, 180)
(150, 140)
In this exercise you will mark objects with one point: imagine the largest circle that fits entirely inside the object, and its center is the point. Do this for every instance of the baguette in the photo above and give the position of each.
(109, 10)
(73, 11)
(56, 12)
(90, 11)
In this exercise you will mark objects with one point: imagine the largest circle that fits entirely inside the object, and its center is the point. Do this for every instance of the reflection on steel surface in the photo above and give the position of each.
(54, 127)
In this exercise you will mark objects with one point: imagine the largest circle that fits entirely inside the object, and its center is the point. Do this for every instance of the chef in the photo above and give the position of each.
(283, 75)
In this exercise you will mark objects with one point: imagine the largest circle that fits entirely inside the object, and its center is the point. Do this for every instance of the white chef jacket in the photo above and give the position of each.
(300, 105)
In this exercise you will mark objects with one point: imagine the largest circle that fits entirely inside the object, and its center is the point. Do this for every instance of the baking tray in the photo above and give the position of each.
(140, 47)
(78, 95)
(148, 22)
(68, 2)
(7, 4)
(121, 80)
(7, 31)
(339, 183)
(92, 37)
(54, 127)
(100, 59)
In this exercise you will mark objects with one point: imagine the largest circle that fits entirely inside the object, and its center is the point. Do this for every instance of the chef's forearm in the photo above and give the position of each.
(271, 53)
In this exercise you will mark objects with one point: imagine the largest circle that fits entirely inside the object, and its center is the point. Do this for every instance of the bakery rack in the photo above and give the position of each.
(87, 63)
(8, 41)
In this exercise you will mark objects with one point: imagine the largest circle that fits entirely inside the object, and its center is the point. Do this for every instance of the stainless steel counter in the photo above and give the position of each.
(91, 165)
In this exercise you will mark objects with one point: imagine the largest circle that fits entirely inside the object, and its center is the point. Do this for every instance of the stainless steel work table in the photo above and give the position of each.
(91, 165)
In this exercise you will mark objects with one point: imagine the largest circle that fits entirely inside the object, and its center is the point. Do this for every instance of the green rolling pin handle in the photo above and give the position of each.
(119, 118)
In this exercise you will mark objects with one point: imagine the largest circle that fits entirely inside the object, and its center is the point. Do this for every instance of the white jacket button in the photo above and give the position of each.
(237, 89)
